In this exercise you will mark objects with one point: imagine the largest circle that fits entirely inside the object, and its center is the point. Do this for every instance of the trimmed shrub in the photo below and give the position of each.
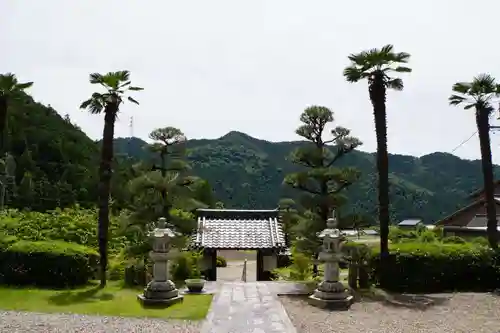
(187, 266)
(47, 264)
(136, 275)
(453, 240)
(482, 241)
(117, 266)
(300, 269)
(435, 267)
(221, 261)
(68, 225)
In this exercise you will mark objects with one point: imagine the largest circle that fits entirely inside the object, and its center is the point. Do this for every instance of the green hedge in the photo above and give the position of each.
(437, 267)
(221, 261)
(47, 264)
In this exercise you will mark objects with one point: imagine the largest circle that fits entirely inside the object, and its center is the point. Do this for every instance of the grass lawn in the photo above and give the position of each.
(111, 301)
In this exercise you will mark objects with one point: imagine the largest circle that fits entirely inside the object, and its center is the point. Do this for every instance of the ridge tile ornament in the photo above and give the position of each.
(331, 293)
(161, 291)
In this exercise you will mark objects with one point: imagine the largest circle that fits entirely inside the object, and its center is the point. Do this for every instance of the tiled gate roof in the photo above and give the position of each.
(239, 229)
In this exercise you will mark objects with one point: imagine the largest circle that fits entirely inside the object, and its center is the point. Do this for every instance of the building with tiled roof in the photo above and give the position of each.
(239, 229)
(234, 229)
(471, 220)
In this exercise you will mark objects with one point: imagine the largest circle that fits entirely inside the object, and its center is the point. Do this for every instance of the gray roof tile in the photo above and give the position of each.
(239, 229)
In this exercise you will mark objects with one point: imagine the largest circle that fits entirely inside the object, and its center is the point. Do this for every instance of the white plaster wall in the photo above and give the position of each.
(270, 262)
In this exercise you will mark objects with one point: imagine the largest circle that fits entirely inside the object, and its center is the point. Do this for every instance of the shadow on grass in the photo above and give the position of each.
(93, 294)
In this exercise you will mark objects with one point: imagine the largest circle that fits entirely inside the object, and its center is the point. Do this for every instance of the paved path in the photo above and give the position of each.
(247, 308)
(234, 270)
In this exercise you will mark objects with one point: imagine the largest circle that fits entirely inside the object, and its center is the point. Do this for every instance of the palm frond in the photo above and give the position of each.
(456, 99)
(402, 69)
(462, 87)
(96, 78)
(378, 62)
(401, 57)
(94, 104)
(125, 84)
(122, 75)
(25, 85)
(135, 88)
(352, 74)
(132, 100)
(483, 84)
(395, 84)
(386, 49)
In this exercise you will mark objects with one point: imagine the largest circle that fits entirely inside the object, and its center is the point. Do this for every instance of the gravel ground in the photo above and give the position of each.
(464, 312)
(26, 322)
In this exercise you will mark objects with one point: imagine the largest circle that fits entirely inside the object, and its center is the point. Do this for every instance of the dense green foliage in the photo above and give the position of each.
(245, 172)
(55, 166)
(54, 161)
(221, 261)
(320, 181)
(46, 263)
(77, 226)
(438, 267)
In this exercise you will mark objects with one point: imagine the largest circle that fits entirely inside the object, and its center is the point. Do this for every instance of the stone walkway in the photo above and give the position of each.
(248, 307)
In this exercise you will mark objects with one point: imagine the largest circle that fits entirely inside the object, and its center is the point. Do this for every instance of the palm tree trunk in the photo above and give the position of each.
(377, 96)
(105, 172)
(3, 124)
(483, 126)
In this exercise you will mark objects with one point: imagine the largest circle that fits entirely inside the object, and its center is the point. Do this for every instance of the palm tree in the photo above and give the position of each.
(479, 94)
(377, 65)
(10, 88)
(116, 85)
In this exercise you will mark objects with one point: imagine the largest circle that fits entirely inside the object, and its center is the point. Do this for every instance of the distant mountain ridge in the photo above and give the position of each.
(246, 172)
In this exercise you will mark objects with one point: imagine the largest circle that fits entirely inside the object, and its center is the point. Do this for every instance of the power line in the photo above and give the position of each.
(464, 142)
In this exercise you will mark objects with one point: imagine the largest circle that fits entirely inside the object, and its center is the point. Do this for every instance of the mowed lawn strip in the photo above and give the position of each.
(110, 301)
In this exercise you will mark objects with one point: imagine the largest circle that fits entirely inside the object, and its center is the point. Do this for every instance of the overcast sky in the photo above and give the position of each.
(209, 67)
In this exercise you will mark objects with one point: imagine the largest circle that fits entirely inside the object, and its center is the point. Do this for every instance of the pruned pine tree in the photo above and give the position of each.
(321, 181)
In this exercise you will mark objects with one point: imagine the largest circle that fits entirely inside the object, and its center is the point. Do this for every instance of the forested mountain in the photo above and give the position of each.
(56, 165)
(246, 172)
(54, 161)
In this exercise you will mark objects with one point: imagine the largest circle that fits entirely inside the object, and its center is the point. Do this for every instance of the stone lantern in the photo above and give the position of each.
(161, 290)
(331, 293)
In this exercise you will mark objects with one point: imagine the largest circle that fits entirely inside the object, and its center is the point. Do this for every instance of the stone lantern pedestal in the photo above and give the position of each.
(161, 291)
(331, 293)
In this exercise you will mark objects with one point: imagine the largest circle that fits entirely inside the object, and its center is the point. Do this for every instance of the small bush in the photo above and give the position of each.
(482, 241)
(6, 241)
(221, 261)
(437, 267)
(186, 266)
(47, 264)
(453, 240)
(398, 235)
(136, 275)
(117, 266)
(301, 267)
(427, 236)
